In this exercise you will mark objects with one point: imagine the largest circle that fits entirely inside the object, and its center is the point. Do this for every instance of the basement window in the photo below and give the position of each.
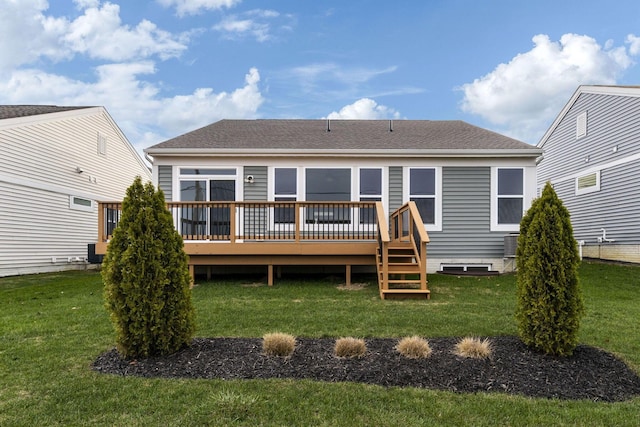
(465, 268)
(80, 204)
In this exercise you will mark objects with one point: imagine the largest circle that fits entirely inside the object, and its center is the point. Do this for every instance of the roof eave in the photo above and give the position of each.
(237, 152)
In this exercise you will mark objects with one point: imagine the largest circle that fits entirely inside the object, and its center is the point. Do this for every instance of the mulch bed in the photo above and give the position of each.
(590, 373)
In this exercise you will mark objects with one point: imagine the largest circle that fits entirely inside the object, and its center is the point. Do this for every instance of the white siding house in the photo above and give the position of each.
(591, 155)
(55, 164)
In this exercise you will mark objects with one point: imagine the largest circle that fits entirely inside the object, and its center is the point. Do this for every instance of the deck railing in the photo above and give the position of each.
(262, 221)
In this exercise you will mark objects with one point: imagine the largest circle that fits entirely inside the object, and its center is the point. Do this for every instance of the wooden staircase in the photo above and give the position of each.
(401, 259)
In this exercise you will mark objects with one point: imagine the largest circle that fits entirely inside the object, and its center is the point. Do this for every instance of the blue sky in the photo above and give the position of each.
(165, 67)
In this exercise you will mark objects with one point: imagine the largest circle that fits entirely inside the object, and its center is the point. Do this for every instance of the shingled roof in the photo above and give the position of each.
(13, 111)
(339, 135)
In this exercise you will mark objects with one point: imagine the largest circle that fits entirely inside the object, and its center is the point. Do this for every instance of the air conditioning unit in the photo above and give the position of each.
(510, 245)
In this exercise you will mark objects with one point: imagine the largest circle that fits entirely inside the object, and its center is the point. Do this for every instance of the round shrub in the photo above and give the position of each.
(414, 348)
(350, 348)
(278, 344)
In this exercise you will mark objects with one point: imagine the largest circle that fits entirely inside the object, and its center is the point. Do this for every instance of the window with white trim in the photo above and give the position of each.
(588, 183)
(510, 196)
(581, 125)
(423, 191)
(285, 190)
(370, 190)
(80, 204)
(327, 185)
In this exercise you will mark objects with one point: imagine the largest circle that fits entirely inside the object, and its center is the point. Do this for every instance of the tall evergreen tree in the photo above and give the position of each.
(550, 305)
(146, 277)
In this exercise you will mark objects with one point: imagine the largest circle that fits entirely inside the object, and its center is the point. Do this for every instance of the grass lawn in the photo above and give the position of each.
(53, 326)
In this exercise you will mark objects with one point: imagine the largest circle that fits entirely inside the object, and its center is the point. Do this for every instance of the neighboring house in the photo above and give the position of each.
(471, 185)
(55, 164)
(591, 155)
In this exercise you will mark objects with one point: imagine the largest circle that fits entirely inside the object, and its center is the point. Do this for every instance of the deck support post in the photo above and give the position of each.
(270, 275)
(192, 274)
(348, 274)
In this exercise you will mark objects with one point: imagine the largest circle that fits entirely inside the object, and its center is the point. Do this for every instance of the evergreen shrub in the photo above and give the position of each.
(146, 277)
(550, 305)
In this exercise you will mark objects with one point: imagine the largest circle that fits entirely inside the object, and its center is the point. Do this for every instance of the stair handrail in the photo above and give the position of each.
(383, 243)
(416, 233)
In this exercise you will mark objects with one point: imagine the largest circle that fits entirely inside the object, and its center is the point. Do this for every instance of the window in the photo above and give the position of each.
(194, 171)
(510, 195)
(370, 191)
(80, 204)
(581, 125)
(193, 219)
(588, 183)
(285, 190)
(328, 185)
(422, 191)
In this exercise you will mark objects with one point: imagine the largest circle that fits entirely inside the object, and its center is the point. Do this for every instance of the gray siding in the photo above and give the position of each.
(615, 207)
(165, 182)
(611, 120)
(466, 216)
(258, 190)
(395, 188)
(257, 220)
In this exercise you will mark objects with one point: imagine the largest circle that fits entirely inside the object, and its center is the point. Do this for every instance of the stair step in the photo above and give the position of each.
(405, 293)
(405, 281)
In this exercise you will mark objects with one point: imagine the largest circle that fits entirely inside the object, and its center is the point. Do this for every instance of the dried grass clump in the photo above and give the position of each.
(351, 348)
(278, 344)
(474, 348)
(414, 347)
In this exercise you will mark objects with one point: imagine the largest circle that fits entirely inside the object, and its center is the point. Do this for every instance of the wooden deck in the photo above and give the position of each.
(273, 234)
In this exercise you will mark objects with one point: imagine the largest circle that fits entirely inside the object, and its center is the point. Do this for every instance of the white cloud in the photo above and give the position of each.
(26, 34)
(634, 44)
(204, 106)
(83, 4)
(100, 34)
(364, 109)
(194, 7)
(97, 33)
(526, 93)
(256, 23)
(333, 72)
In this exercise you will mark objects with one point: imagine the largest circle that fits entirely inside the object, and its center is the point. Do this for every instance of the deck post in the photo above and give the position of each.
(270, 275)
(192, 273)
(348, 274)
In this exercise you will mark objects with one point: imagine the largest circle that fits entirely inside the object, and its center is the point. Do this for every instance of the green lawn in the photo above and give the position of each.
(53, 326)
